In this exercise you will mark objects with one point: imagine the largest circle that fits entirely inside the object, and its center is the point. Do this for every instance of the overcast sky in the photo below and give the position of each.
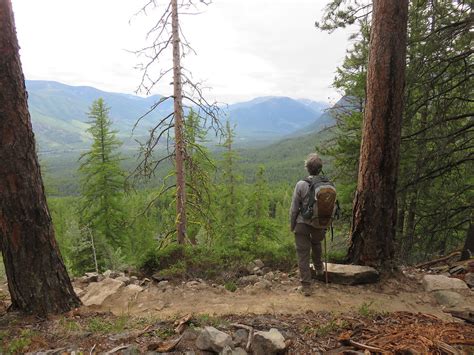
(245, 48)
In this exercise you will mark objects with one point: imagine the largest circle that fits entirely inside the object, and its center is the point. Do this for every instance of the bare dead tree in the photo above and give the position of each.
(167, 36)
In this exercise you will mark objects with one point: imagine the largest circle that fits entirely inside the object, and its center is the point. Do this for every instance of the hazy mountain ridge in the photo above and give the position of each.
(59, 115)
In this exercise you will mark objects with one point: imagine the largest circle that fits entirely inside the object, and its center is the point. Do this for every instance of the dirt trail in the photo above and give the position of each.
(172, 301)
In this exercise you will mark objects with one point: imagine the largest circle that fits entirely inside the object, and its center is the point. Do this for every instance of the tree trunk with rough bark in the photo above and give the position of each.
(374, 210)
(37, 278)
(178, 129)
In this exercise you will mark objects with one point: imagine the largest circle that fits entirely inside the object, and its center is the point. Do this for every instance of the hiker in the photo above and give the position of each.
(309, 231)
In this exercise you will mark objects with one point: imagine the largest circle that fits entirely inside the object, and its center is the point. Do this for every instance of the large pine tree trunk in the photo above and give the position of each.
(375, 210)
(178, 129)
(37, 279)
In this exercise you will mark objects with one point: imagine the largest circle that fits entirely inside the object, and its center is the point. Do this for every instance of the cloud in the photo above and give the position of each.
(246, 48)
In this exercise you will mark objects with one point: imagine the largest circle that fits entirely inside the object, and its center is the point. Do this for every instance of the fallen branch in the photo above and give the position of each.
(118, 348)
(447, 348)
(164, 346)
(467, 316)
(361, 346)
(439, 260)
(251, 333)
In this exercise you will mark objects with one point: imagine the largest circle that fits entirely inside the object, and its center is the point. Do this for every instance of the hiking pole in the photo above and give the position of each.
(326, 259)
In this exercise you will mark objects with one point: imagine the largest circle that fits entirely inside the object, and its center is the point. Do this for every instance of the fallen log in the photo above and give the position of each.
(439, 260)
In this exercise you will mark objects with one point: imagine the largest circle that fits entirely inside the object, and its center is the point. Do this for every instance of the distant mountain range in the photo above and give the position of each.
(59, 115)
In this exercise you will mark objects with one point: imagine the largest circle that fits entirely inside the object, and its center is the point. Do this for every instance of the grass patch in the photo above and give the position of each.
(230, 286)
(334, 325)
(104, 326)
(20, 343)
(224, 263)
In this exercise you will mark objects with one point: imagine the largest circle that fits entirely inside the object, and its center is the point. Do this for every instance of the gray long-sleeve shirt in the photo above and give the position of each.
(299, 201)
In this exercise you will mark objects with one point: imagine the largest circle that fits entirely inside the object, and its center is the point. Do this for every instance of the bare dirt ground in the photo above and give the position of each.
(389, 295)
(395, 308)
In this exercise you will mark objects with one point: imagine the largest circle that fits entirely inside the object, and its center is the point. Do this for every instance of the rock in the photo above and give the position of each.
(79, 291)
(259, 263)
(448, 298)
(192, 284)
(107, 273)
(145, 281)
(441, 282)
(190, 334)
(241, 337)
(457, 270)
(97, 292)
(246, 280)
(469, 279)
(163, 284)
(91, 277)
(126, 280)
(213, 339)
(157, 277)
(263, 285)
(269, 276)
(348, 274)
(266, 270)
(267, 343)
(250, 267)
(229, 351)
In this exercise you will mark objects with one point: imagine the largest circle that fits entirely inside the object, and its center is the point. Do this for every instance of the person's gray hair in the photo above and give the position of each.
(313, 164)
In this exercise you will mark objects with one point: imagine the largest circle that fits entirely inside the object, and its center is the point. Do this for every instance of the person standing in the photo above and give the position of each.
(307, 237)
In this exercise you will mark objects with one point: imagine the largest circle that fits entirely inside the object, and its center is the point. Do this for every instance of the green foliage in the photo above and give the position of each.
(230, 286)
(21, 343)
(101, 325)
(214, 262)
(229, 199)
(102, 184)
(199, 168)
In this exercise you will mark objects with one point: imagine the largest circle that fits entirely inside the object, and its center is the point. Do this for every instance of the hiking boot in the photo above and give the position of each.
(306, 290)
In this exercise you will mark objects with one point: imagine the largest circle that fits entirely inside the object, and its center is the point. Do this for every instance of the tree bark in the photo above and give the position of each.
(37, 278)
(178, 129)
(374, 210)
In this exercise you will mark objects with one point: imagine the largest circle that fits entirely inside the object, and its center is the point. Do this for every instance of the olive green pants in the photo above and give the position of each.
(308, 241)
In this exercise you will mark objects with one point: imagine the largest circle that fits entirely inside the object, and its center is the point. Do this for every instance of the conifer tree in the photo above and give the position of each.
(102, 183)
(261, 225)
(198, 180)
(228, 199)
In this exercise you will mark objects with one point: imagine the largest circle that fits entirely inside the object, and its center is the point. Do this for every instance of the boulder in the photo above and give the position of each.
(448, 298)
(268, 343)
(469, 279)
(441, 282)
(213, 339)
(259, 263)
(348, 274)
(97, 292)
